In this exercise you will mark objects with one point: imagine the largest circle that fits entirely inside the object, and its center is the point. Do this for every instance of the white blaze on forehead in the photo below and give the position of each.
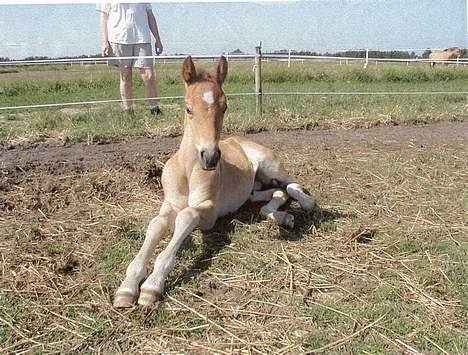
(208, 97)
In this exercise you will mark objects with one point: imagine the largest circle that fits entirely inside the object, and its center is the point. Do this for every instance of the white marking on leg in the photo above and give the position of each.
(208, 97)
(270, 210)
(295, 191)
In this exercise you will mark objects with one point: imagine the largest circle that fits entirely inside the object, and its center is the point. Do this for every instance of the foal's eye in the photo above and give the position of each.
(188, 111)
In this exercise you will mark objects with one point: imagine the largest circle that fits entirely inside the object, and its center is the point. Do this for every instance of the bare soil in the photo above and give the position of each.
(44, 154)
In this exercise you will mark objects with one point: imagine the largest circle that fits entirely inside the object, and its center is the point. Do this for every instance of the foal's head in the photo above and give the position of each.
(205, 107)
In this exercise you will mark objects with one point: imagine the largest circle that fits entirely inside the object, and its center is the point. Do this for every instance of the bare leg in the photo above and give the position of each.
(186, 221)
(126, 87)
(270, 210)
(158, 228)
(147, 74)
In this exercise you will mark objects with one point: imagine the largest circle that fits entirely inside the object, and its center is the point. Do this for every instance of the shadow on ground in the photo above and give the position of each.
(215, 240)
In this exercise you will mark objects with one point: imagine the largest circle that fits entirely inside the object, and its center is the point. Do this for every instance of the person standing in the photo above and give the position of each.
(126, 30)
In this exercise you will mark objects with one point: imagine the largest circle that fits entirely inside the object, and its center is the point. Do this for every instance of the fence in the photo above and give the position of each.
(258, 58)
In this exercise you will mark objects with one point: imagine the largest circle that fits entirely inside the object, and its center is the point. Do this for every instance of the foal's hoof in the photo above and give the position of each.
(124, 299)
(148, 297)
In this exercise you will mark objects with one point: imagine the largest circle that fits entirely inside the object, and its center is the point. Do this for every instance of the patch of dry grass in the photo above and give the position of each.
(382, 269)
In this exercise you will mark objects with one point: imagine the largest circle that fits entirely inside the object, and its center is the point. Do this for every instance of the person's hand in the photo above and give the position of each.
(158, 47)
(106, 49)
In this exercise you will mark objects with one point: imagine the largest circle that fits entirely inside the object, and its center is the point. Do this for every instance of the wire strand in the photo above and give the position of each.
(296, 93)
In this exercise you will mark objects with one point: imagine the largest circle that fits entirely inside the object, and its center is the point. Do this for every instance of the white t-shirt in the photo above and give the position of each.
(128, 22)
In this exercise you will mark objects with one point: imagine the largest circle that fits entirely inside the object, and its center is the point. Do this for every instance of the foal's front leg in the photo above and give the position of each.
(158, 228)
(186, 221)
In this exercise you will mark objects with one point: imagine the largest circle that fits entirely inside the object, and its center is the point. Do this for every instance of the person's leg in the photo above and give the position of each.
(125, 70)
(148, 75)
(126, 86)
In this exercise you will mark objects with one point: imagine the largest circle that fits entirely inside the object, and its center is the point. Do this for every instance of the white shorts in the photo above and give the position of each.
(132, 50)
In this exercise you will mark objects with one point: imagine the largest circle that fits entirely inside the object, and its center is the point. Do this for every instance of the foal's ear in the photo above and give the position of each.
(222, 70)
(189, 73)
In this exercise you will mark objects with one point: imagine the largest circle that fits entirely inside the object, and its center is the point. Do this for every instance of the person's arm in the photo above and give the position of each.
(105, 50)
(154, 30)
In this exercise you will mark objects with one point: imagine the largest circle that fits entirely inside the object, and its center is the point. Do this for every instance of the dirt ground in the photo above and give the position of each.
(43, 155)
(62, 205)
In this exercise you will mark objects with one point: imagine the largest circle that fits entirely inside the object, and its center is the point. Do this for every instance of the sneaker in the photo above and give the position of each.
(155, 110)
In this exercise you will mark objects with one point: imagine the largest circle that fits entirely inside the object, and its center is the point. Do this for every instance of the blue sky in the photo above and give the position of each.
(213, 28)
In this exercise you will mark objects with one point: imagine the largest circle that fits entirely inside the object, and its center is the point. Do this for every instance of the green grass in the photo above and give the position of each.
(280, 112)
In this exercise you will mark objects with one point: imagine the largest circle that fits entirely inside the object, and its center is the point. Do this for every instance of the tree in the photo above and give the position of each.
(236, 51)
(426, 53)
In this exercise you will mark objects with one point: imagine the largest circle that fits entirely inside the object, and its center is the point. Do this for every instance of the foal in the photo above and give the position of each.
(206, 178)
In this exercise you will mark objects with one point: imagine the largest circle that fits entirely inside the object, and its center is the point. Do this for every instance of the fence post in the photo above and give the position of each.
(289, 59)
(258, 79)
(367, 58)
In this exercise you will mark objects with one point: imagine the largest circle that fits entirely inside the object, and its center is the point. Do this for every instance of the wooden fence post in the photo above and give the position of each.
(258, 79)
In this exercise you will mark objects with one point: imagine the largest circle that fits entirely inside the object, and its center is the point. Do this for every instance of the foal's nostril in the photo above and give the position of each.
(210, 158)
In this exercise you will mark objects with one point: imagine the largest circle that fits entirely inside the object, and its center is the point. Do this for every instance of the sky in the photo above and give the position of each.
(208, 28)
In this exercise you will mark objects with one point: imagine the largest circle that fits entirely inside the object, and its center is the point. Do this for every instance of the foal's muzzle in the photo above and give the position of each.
(209, 158)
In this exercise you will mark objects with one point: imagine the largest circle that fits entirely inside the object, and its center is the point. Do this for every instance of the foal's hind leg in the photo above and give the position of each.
(271, 171)
(295, 191)
(276, 197)
(158, 228)
(270, 210)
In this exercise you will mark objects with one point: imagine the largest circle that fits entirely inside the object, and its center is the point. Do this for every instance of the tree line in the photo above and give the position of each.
(351, 54)
(372, 54)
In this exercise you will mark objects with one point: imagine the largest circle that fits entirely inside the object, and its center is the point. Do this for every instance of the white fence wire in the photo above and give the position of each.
(236, 57)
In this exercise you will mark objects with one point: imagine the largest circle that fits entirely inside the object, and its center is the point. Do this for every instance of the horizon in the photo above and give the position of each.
(325, 26)
(417, 54)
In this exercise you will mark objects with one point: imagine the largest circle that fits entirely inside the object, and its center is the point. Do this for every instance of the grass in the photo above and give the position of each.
(280, 112)
(382, 270)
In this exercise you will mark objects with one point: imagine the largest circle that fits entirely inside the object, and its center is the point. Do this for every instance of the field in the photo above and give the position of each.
(382, 269)
(39, 84)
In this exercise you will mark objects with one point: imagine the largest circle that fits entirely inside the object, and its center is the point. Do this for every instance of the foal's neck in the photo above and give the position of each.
(187, 149)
